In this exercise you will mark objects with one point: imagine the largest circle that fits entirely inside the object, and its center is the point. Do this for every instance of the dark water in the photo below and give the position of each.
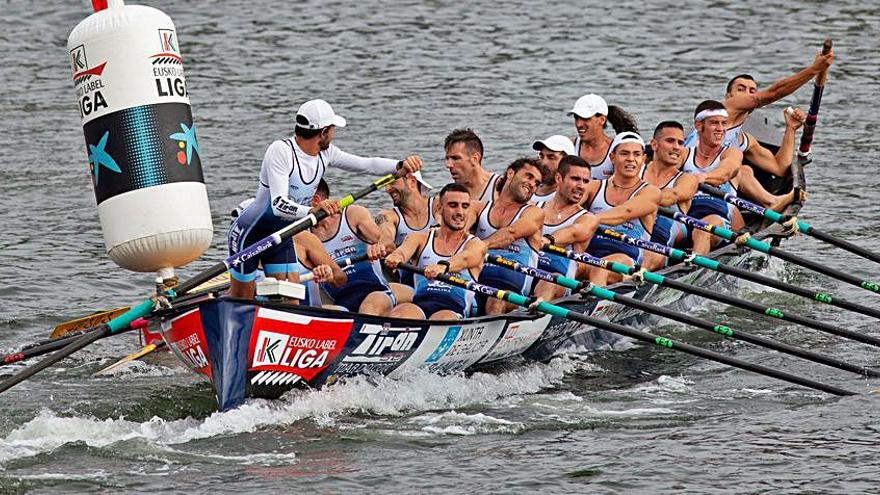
(404, 75)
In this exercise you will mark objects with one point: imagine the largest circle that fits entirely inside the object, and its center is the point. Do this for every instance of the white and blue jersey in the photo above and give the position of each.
(404, 229)
(543, 198)
(553, 262)
(519, 250)
(666, 230)
(488, 193)
(432, 295)
(634, 228)
(703, 205)
(601, 170)
(363, 277)
(289, 178)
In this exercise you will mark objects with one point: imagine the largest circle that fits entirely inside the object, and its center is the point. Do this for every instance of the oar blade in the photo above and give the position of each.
(87, 322)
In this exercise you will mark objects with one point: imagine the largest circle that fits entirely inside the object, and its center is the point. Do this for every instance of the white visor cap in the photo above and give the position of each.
(423, 184)
(588, 106)
(317, 114)
(627, 137)
(555, 143)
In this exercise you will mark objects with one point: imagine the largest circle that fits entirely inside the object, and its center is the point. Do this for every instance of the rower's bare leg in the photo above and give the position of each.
(243, 290)
(402, 292)
(603, 277)
(377, 304)
(737, 222)
(445, 314)
(704, 241)
(498, 307)
(548, 291)
(750, 188)
(407, 310)
(652, 261)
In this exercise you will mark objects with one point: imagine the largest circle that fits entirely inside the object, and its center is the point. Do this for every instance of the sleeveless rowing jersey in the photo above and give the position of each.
(601, 247)
(703, 205)
(552, 262)
(433, 295)
(488, 193)
(519, 250)
(363, 277)
(666, 229)
(404, 229)
(543, 198)
(601, 170)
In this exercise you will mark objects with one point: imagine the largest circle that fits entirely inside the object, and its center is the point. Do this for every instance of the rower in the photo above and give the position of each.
(289, 176)
(445, 248)
(550, 151)
(591, 116)
(512, 227)
(676, 187)
(412, 212)
(624, 203)
(742, 97)
(719, 163)
(313, 257)
(464, 160)
(352, 232)
(566, 222)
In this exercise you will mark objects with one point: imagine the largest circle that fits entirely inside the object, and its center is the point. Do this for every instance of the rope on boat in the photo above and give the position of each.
(790, 227)
(742, 239)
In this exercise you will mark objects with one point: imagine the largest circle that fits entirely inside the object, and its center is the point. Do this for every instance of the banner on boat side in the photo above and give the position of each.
(288, 347)
(452, 348)
(518, 336)
(377, 349)
(186, 339)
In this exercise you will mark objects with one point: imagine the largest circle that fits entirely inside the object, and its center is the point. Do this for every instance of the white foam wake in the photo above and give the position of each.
(420, 391)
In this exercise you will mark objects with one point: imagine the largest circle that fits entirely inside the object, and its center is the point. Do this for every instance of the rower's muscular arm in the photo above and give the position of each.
(684, 190)
(528, 224)
(731, 160)
(313, 254)
(761, 157)
(578, 233)
(470, 257)
(780, 89)
(359, 218)
(404, 253)
(278, 167)
(642, 204)
(387, 221)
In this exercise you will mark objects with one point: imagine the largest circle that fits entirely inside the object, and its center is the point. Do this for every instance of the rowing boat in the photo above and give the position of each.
(263, 349)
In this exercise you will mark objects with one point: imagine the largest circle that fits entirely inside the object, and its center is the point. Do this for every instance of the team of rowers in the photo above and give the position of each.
(562, 196)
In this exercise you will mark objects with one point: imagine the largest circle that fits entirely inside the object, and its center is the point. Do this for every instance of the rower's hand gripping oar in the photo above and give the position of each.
(800, 225)
(567, 314)
(813, 113)
(146, 307)
(721, 329)
(657, 279)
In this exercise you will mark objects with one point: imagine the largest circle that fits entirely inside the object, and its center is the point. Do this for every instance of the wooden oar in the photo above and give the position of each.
(803, 226)
(663, 342)
(723, 329)
(779, 253)
(147, 349)
(87, 322)
(657, 279)
(146, 307)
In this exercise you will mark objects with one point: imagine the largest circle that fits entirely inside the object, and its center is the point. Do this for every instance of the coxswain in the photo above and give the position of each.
(349, 233)
(447, 248)
(591, 116)
(550, 151)
(566, 223)
(289, 176)
(464, 160)
(719, 163)
(624, 203)
(412, 212)
(512, 227)
(676, 187)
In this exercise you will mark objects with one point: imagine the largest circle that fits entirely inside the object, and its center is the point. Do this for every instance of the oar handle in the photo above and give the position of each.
(823, 76)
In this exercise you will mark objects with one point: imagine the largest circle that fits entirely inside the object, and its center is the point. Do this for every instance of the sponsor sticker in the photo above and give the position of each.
(292, 343)
(518, 337)
(383, 347)
(187, 340)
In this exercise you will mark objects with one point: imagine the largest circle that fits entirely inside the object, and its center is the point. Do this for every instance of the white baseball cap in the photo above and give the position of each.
(589, 105)
(627, 137)
(555, 143)
(423, 184)
(317, 114)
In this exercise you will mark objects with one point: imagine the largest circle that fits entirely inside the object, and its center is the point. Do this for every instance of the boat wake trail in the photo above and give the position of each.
(418, 392)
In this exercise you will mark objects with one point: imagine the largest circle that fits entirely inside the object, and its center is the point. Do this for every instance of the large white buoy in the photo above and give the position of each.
(140, 138)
